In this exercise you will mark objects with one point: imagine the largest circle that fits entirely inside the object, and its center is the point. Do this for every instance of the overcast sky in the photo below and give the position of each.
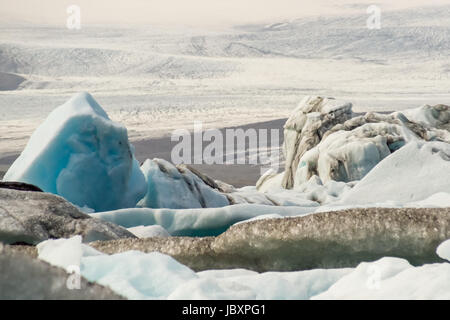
(188, 12)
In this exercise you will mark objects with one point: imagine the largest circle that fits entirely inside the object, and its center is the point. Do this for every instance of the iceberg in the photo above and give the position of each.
(323, 138)
(177, 188)
(83, 156)
(305, 127)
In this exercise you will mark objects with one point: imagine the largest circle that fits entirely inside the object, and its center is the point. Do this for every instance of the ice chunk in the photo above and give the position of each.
(149, 231)
(305, 127)
(137, 275)
(315, 190)
(83, 156)
(346, 155)
(437, 116)
(171, 187)
(274, 197)
(65, 253)
(443, 250)
(415, 172)
(61, 252)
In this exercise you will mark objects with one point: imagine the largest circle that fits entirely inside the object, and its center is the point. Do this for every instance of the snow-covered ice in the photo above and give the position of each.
(414, 172)
(392, 278)
(149, 231)
(65, 253)
(83, 156)
(443, 250)
(138, 275)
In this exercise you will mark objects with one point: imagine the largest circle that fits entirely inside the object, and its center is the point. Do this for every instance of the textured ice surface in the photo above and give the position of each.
(80, 154)
(305, 128)
(347, 237)
(347, 155)
(196, 222)
(169, 187)
(276, 196)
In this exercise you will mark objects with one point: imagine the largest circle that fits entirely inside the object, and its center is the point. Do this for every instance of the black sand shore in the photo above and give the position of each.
(236, 174)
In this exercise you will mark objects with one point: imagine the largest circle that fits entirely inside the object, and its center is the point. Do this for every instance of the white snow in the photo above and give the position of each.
(392, 278)
(83, 156)
(138, 275)
(443, 250)
(149, 231)
(413, 173)
(65, 253)
(437, 200)
(298, 285)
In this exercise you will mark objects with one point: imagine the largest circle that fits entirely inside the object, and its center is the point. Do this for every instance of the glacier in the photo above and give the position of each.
(83, 156)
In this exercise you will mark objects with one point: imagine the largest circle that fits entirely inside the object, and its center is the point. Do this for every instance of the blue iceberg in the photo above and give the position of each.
(83, 156)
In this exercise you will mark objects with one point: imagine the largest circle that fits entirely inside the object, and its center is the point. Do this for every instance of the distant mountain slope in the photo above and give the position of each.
(422, 32)
(417, 35)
